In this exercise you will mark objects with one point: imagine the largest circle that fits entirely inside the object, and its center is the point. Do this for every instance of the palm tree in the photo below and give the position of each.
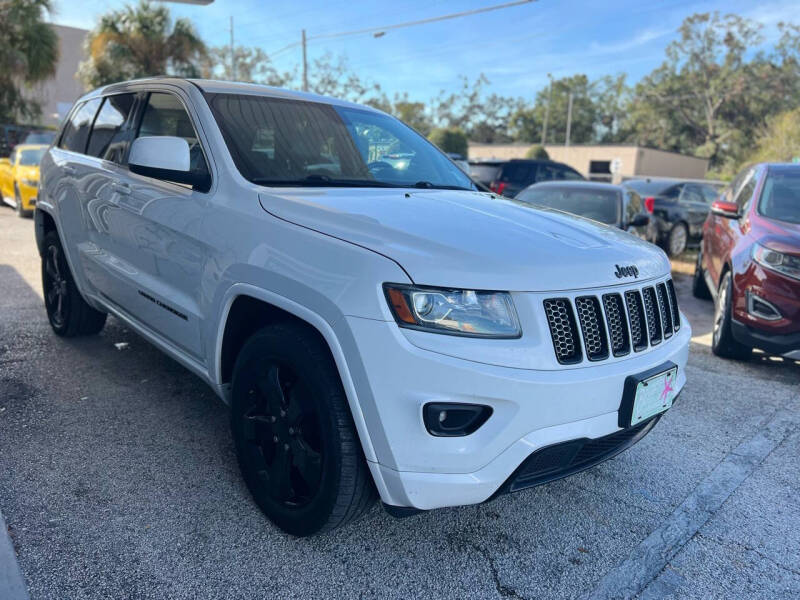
(140, 41)
(28, 55)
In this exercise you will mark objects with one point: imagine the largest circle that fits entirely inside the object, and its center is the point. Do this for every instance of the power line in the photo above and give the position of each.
(385, 28)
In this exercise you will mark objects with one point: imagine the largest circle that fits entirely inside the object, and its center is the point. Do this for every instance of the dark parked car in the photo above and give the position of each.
(603, 202)
(510, 177)
(680, 208)
(749, 262)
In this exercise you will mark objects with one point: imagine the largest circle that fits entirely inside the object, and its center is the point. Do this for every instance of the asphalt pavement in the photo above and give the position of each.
(118, 480)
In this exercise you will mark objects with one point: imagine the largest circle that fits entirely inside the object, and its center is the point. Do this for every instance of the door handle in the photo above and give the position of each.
(67, 170)
(121, 188)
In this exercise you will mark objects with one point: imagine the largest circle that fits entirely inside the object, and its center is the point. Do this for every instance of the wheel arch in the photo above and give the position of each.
(247, 308)
(44, 223)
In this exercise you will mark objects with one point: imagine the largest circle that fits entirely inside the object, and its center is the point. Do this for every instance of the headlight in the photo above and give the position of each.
(30, 182)
(458, 312)
(777, 261)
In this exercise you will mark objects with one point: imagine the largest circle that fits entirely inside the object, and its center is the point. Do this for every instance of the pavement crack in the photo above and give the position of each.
(504, 591)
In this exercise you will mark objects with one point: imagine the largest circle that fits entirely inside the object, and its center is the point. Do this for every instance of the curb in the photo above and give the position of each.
(12, 585)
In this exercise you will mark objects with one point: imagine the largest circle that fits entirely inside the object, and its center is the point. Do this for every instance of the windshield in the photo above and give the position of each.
(40, 137)
(30, 158)
(596, 204)
(780, 198)
(280, 142)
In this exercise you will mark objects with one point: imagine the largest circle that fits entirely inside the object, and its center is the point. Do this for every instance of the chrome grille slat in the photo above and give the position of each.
(673, 304)
(638, 325)
(563, 330)
(652, 315)
(666, 310)
(592, 327)
(617, 324)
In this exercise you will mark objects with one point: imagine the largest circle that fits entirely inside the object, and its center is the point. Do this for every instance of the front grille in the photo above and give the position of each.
(617, 324)
(613, 323)
(653, 317)
(666, 311)
(633, 299)
(561, 320)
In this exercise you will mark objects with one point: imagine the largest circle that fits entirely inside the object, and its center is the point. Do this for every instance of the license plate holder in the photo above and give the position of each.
(648, 394)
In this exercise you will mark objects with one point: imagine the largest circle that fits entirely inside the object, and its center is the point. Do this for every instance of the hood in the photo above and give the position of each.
(471, 240)
(779, 235)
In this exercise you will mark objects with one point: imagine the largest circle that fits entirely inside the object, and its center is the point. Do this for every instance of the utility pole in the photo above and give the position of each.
(305, 64)
(569, 119)
(233, 56)
(547, 110)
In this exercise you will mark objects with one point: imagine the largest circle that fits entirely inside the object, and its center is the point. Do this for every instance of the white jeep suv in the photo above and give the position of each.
(377, 326)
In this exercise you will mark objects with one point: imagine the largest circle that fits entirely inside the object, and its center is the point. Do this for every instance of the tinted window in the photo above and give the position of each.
(780, 198)
(598, 204)
(31, 157)
(520, 173)
(287, 142)
(556, 173)
(107, 139)
(746, 193)
(710, 193)
(692, 193)
(76, 131)
(165, 115)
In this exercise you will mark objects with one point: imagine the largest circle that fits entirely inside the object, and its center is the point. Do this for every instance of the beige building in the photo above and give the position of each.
(58, 93)
(612, 163)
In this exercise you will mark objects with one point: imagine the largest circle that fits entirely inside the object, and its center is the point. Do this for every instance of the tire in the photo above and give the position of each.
(295, 440)
(21, 213)
(67, 311)
(699, 286)
(723, 344)
(676, 241)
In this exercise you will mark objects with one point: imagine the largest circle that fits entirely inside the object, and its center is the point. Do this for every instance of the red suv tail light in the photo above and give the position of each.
(497, 186)
(650, 204)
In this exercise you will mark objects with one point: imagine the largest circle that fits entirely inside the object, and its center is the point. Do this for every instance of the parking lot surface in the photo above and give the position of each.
(118, 480)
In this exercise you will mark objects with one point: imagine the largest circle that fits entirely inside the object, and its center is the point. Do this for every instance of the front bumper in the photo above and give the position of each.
(532, 409)
(28, 195)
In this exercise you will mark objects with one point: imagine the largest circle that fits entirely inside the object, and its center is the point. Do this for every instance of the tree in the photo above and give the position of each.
(331, 76)
(450, 139)
(140, 41)
(252, 65)
(28, 55)
(527, 121)
(780, 139)
(711, 92)
(537, 151)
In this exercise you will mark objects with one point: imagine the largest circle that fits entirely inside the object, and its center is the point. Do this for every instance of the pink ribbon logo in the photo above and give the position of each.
(667, 389)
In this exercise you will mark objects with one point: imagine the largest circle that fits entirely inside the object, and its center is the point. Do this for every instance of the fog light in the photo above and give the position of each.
(758, 307)
(448, 419)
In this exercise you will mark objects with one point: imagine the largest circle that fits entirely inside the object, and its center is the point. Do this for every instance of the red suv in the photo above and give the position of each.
(749, 262)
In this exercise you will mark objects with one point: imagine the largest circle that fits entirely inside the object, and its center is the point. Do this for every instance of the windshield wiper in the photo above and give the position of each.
(320, 181)
(432, 186)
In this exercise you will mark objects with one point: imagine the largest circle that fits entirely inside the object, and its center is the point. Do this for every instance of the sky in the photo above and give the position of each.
(514, 47)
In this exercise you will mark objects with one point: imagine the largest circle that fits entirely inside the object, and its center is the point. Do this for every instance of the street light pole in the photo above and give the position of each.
(305, 64)
(547, 110)
(233, 55)
(569, 120)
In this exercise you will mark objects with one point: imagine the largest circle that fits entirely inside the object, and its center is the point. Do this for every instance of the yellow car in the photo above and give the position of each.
(19, 177)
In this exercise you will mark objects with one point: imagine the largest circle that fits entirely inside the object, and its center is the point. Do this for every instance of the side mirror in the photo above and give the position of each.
(167, 158)
(729, 210)
(639, 220)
